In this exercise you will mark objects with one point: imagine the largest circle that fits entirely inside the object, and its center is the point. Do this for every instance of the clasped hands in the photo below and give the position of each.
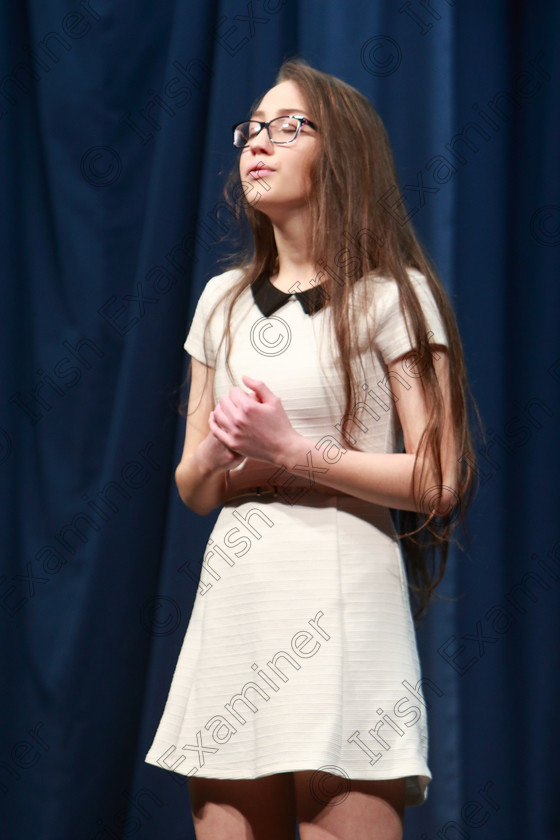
(253, 425)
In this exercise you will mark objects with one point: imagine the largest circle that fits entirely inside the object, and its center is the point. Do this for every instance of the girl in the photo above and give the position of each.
(324, 353)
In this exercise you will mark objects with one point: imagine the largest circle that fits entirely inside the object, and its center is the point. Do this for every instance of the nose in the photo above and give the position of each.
(261, 142)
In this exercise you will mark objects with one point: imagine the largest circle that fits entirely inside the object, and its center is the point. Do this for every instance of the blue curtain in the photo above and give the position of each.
(114, 133)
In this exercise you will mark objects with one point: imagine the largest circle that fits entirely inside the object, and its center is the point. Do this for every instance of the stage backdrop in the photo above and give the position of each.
(115, 138)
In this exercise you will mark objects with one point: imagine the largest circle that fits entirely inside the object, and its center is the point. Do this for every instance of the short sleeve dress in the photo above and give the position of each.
(300, 652)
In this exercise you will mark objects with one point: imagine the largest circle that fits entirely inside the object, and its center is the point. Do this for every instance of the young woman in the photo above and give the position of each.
(328, 388)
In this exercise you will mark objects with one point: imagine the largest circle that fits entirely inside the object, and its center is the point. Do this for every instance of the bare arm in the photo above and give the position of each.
(200, 474)
(385, 478)
(260, 428)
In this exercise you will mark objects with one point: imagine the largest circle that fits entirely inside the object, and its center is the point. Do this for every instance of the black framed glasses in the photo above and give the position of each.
(280, 130)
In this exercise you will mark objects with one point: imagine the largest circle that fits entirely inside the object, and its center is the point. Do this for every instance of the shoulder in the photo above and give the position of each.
(222, 282)
(386, 293)
(381, 292)
(386, 285)
(217, 288)
(388, 311)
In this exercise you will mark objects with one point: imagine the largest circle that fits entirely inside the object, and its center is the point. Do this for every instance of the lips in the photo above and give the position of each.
(260, 170)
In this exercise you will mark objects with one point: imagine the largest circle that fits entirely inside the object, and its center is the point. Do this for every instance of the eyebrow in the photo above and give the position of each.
(283, 112)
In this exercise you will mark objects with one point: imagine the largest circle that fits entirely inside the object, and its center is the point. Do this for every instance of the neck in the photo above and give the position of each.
(295, 264)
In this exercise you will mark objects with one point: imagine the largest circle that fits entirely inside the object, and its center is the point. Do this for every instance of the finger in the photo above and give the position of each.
(232, 403)
(219, 433)
(239, 398)
(214, 423)
(223, 414)
(261, 390)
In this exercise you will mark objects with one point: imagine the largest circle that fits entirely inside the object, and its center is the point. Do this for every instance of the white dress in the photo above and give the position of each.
(300, 653)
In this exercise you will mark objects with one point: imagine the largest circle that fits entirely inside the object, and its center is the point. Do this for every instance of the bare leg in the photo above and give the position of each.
(354, 810)
(244, 809)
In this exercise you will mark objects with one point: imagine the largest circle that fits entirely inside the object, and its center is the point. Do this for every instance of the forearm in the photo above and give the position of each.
(381, 478)
(201, 489)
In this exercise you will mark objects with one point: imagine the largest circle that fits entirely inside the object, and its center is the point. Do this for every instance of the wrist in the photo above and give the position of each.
(294, 452)
(204, 465)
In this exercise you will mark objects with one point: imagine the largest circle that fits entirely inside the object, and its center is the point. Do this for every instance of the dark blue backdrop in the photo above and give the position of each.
(114, 127)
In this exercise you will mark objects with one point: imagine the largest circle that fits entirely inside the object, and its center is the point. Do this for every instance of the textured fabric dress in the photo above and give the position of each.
(300, 653)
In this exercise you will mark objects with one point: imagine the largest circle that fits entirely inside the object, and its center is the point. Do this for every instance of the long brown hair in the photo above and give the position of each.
(345, 207)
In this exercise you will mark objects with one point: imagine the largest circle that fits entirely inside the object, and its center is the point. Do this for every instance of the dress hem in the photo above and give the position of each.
(417, 782)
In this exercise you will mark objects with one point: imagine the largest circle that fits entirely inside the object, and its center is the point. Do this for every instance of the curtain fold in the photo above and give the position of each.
(115, 135)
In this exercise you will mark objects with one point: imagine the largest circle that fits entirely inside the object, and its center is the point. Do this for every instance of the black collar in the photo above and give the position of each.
(268, 298)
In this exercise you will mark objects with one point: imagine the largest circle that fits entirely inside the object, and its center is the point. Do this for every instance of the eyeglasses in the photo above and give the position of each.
(280, 130)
